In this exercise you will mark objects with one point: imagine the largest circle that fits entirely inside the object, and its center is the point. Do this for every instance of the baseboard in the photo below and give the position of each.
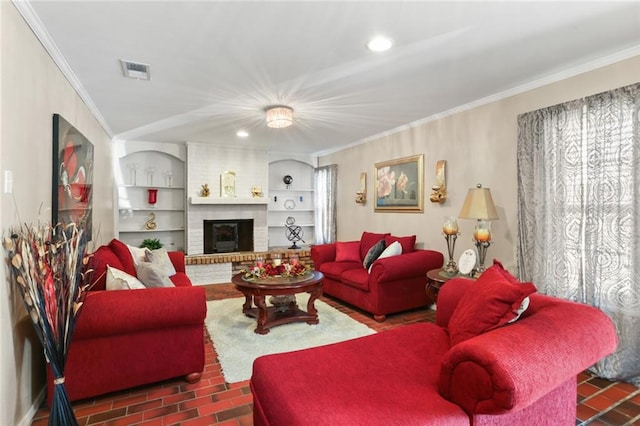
(27, 419)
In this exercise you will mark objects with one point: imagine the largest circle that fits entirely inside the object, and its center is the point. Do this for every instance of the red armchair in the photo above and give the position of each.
(127, 338)
(516, 374)
(394, 284)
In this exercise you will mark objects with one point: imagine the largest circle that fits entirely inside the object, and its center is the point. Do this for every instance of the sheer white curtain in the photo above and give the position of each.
(326, 179)
(579, 204)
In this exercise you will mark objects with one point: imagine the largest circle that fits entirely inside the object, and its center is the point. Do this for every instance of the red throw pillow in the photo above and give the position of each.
(492, 301)
(368, 240)
(348, 251)
(408, 243)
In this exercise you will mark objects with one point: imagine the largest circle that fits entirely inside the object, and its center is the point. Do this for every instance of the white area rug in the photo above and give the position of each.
(238, 346)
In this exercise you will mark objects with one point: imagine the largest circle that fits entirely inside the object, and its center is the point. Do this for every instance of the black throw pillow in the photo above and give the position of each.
(374, 252)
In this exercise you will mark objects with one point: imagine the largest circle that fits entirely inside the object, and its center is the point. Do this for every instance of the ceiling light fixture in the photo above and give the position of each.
(379, 44)
(242, 134)
(279, 116)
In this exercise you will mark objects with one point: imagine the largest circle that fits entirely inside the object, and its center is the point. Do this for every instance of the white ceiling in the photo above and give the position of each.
(215, 65)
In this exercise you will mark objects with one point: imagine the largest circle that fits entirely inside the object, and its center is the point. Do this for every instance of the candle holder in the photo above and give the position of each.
(153, 197)
(482, 238)
(450, 230)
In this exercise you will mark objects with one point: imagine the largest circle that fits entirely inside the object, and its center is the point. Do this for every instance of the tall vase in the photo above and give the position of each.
(153, 196)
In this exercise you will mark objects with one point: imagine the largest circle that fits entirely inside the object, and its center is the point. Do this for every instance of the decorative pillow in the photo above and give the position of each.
(120, 280)
(373, 253)
(368, 240)
(138, 254)
(348, 251)
(153, 275)
(492, 301)
(392, 250)
(160, 258)
(408, 243)
(507, 275)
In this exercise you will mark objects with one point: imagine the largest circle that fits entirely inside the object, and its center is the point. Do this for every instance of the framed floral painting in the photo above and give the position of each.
(72, 176)
(399, 185)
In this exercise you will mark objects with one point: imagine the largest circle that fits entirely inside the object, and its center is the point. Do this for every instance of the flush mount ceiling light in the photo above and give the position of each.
(279, 116)
(242, 134)
(379, 44)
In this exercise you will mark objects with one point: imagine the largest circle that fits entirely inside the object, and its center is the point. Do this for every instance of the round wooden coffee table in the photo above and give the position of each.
(255, 290)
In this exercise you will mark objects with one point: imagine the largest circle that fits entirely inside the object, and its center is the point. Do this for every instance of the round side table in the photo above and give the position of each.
(435, 279)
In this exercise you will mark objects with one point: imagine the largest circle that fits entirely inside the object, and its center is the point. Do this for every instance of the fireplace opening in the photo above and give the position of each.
(226, 236)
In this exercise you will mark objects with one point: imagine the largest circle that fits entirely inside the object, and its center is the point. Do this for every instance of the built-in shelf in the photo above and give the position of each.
(152, 186)
(291, 210)
(141, 163)
(128, 231)
(291, 190)
(211, 200)
(150, 209)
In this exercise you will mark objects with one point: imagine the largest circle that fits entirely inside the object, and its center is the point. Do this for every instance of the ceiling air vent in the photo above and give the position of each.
(136, 70)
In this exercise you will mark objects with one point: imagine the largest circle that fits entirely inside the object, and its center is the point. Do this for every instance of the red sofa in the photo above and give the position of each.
(394, 284)
(522, 373)
(127, 338)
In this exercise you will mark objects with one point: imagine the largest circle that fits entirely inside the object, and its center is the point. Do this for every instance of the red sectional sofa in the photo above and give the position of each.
(394, 284)
(127, 338)
(522, 373)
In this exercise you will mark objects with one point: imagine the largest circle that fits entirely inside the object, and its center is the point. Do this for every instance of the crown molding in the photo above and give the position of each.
(544, 81)
(38, 28)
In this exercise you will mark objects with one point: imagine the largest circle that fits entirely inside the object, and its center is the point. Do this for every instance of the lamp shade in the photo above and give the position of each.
(279, 116)
(478, 205)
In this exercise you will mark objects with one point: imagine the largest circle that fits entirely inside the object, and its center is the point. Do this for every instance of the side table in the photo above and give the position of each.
(435, 280)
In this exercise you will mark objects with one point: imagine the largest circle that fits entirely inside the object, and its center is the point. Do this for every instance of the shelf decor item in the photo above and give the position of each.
(151, 243)
(399, 185)
(153, 196)
(46, 265)
(205, 191)
(228, 184)
(256, 191)
(450, 231)
(479, 205)
(288, 180)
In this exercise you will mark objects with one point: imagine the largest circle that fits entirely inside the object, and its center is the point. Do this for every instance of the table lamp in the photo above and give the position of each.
(479, 205)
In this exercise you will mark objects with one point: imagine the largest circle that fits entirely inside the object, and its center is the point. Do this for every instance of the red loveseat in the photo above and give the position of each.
(522, 373)
(127, 338)
(394, 284)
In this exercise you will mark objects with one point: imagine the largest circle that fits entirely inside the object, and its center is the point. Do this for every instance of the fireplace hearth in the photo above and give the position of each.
(226, 236)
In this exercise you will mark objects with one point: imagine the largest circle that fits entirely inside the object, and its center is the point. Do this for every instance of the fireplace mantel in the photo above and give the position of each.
(210, 200)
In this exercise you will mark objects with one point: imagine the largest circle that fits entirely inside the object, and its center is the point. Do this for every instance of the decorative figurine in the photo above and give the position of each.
(205, 190)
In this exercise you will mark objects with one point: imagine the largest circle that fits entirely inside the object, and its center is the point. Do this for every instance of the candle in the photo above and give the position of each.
(294, 260)
(482, 235)
(277, 260)
(450, 229)
(260, 262)
(450, 226)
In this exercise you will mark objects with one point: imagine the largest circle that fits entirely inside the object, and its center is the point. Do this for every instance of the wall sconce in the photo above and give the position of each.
(361, 193)
(439, 193)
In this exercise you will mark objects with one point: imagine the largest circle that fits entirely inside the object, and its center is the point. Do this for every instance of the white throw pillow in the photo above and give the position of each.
(139, 254)
(120, 280)
(393, 249)
(160, 258)
(152, 275)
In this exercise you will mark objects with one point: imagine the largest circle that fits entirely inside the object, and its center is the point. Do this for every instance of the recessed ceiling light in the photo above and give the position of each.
(242, 134)
(379, 44)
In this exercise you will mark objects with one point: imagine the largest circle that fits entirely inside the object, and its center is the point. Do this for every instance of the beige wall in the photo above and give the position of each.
(479, 146)
(32, 89)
